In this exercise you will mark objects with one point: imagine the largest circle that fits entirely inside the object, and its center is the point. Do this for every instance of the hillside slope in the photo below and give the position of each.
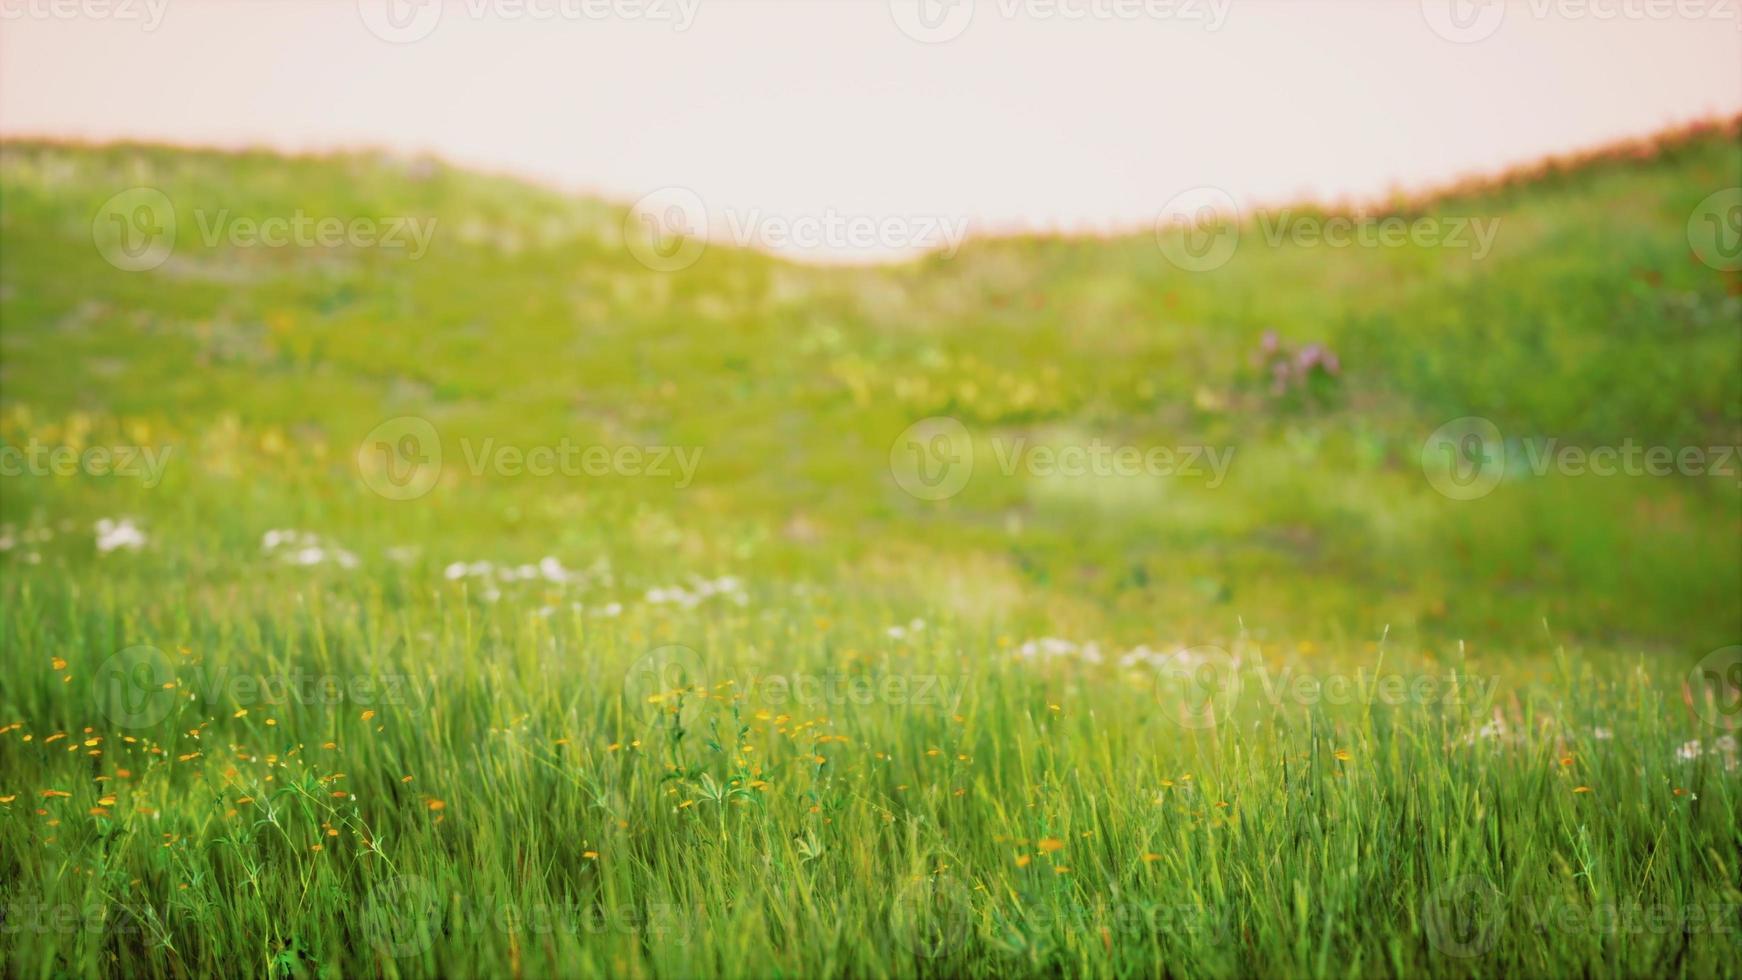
(1586, 319)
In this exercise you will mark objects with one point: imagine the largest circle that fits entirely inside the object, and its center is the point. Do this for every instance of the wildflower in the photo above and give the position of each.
(1342, 755)
(1048, 845)
(1581, 789)
(1022, 860)
(114, 534)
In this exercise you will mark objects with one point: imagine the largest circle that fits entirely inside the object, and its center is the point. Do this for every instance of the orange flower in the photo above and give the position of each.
(1048, 845)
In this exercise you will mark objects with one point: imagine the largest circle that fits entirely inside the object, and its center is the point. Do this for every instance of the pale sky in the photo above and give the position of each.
(1004, 114)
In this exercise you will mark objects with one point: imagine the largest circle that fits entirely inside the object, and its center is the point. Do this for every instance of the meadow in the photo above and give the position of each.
(499, 603)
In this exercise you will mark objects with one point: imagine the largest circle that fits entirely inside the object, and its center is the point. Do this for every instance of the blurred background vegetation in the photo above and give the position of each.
(528, 322)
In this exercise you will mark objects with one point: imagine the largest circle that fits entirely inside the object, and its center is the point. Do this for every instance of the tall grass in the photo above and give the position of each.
(786, 786)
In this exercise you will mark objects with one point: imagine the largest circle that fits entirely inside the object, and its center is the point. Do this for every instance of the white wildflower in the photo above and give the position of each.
(118, 534)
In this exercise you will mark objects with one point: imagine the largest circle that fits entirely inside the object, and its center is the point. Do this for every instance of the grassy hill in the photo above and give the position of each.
(1589, 322)
(299, 699)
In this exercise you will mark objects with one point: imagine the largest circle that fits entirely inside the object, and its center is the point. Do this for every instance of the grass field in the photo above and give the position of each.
(500, 605)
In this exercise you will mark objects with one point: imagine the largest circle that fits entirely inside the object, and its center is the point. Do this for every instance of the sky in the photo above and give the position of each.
(849, 130)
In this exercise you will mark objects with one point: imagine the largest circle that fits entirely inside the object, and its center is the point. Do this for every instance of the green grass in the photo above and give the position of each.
(848, 763)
